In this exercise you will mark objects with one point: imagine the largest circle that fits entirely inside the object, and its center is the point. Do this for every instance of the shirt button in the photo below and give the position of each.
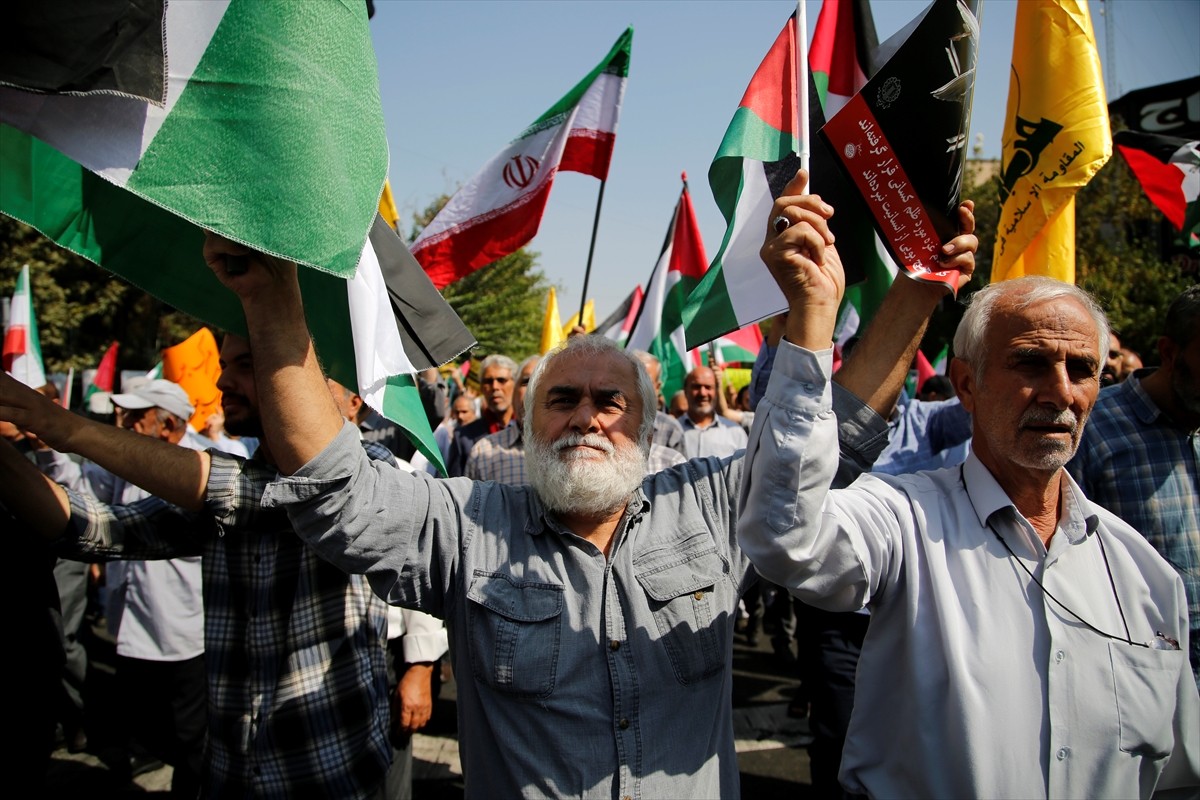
(614, 645)
(699, 595)
(623, 724)
(1063, 752)
(808, 387)
(1059, 656)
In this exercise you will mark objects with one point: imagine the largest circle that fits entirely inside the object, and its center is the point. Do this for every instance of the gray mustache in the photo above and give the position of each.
(1045, 416)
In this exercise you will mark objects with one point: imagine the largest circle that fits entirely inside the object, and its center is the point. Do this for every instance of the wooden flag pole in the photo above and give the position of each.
(587, 274)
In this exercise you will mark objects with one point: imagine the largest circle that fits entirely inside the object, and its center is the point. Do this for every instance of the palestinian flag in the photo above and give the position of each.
(105, 375)
(680, 266)
(737, 347)
(22, 349)
(500, 209)
(271, 134)
(1169, 171)
(757, 158)
(619, 323)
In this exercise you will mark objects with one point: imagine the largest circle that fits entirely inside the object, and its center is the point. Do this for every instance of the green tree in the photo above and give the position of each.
(81, 309)
(501, 304)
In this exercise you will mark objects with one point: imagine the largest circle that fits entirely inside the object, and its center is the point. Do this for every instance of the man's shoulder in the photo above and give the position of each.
(1157, 571)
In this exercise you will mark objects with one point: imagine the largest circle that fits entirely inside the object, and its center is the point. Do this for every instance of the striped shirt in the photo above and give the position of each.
(1138, 463)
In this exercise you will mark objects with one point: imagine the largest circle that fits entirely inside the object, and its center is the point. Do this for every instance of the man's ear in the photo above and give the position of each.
(1168, 351)
(962, 377)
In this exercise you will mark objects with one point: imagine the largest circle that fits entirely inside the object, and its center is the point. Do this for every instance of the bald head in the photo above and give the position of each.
(700, 386)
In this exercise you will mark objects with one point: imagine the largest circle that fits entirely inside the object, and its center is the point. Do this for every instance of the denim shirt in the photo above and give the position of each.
(578, 675)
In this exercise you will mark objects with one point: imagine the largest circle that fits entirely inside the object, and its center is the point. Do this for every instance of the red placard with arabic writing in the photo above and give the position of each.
(872, 164)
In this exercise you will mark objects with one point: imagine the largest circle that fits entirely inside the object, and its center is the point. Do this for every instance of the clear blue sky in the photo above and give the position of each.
(461, 78)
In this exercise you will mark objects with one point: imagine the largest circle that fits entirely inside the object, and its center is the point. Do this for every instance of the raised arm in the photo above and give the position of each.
(876, 369)
(298, 413)
(173, 473)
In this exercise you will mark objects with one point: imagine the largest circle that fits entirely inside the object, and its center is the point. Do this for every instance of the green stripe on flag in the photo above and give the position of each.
(615, 63)
(233, 133)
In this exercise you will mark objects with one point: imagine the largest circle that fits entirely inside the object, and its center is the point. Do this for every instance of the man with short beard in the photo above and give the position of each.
(705, 432)
(294, 648)
(1138, 456)
(1024, 642)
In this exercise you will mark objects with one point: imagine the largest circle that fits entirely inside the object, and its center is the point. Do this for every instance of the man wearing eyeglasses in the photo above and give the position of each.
(1024, 642)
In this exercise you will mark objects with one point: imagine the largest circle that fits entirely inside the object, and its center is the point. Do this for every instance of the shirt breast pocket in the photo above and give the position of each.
(685, 591)
(515, 631)
(1146, 681)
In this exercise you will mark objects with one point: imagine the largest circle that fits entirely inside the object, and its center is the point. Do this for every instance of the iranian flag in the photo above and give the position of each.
(758, 157)
(105, 375)
(22, 350)
(266, 128)
(681, 265)
(500, 209)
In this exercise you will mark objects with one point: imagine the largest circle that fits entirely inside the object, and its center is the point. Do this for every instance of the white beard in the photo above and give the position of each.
(579, 482)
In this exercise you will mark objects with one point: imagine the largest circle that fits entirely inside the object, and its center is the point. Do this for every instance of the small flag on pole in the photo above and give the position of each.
(500, 209)
(22, 350)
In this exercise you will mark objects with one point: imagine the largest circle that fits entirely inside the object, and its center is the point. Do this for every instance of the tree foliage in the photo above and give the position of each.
(81, 309)
(502, 304)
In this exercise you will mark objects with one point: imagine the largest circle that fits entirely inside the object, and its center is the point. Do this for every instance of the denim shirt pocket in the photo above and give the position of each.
(515, 632)
(684, 591)
(1146, 682)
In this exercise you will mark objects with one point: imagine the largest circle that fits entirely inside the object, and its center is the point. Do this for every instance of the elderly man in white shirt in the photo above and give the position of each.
(1024, 642)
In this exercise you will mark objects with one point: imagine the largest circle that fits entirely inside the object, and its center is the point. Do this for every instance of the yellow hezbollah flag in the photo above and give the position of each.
(387, 206)
(1056, 137)
(552, 333)
(193, 364)
(589, 319)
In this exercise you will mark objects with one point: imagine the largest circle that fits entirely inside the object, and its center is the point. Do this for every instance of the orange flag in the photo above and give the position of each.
(193, 364)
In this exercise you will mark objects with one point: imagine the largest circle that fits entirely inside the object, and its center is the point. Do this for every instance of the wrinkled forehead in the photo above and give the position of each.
(591, 370)
(1059, 323)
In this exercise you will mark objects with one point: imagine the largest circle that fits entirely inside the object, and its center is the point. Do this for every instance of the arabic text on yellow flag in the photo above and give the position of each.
(589, 319)
(1056, 137)
(552, 333)
(193, 364)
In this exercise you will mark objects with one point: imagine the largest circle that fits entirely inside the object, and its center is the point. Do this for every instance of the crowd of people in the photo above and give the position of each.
(985, 589)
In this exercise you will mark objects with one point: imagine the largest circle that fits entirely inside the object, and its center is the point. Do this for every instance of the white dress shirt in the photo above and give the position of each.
(972, 683)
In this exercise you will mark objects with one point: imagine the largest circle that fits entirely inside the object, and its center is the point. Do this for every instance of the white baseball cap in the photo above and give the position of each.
(160, 393)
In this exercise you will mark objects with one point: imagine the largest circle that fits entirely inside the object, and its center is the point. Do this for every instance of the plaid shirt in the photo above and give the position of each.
(499, 457)
(1137, 463)
(297, 692)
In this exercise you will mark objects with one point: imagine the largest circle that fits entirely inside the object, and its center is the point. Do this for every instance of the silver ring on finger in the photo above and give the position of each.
(781, 223)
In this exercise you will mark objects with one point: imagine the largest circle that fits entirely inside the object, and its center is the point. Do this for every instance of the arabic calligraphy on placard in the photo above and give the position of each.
(876, 170)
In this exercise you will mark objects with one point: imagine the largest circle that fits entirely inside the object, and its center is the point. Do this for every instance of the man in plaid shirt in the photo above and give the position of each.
(298, 698)
(1140, 453)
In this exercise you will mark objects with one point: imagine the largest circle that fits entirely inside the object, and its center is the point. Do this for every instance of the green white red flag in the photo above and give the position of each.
(268, 130)
(500, 209)
(22, 350)
(619, 324)
(105, 376)
(757, 158)
(680, 266)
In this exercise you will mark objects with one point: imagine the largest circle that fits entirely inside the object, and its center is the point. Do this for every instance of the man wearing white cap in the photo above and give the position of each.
(156, 609)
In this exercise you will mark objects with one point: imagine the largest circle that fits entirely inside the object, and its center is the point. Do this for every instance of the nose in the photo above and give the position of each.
(1055, 390)
(222, 384)
(584, 418)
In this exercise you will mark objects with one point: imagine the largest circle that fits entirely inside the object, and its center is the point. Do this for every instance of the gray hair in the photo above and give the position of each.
(498, 360)
(596, 347)
(970, 338)
(533, 359)
(1183, 316)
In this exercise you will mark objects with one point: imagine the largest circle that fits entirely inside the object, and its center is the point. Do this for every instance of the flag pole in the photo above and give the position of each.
(587, 273)
(802, 126)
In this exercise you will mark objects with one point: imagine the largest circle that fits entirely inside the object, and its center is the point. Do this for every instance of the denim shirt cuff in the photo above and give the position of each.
(335, 464)
(860, 428)
(800, 380)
